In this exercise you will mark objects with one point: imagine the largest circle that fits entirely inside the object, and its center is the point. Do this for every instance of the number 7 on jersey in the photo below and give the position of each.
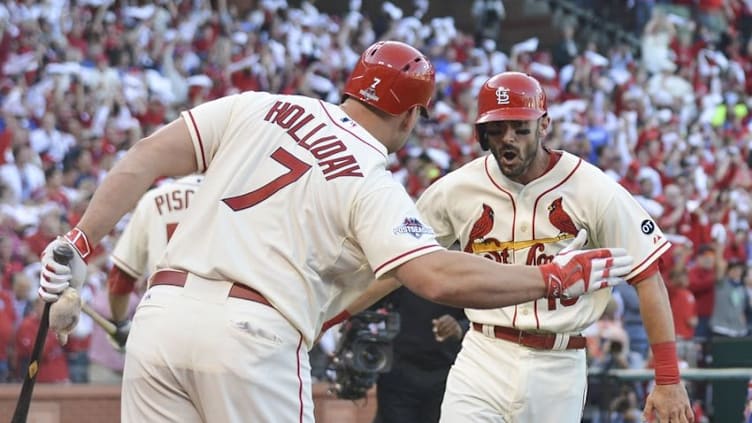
(295, 169)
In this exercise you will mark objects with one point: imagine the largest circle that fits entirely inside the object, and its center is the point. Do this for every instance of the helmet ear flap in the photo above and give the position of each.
(481, 136)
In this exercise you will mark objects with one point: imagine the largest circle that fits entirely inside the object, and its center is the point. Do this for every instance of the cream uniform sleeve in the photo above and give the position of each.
(207, 124)
(432, 206)
(130, 252)
(622, 222)
(389, 228)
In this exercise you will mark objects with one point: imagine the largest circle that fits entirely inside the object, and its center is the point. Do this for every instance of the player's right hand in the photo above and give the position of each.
(54, 277)
(578, 272)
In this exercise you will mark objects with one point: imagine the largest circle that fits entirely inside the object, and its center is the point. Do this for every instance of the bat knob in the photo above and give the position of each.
(63, 254)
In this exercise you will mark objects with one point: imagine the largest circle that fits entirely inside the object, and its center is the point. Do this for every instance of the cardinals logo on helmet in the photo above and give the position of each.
(502, 95)
(481, 227)
(560, 219)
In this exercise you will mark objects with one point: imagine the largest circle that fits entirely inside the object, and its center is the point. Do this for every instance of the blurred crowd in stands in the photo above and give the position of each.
(82, 80)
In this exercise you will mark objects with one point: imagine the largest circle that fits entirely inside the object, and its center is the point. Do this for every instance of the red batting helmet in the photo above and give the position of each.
(392, 77)
(509, 96)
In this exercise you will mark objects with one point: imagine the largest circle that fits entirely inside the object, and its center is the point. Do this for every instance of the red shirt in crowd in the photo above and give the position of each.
(711, 5)
(53, 366)
(6, 324)
(689, 224)
(735, 251)
(38, 241)
(683, 309)
(58, 196)
(8, 269)
(6, 139)
(78, 344)
(702, 285)
(6, 305)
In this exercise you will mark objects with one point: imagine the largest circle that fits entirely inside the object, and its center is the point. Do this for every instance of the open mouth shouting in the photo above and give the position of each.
(508, 156)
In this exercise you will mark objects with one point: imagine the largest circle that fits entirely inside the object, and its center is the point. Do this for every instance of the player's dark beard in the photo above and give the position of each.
(525, 154)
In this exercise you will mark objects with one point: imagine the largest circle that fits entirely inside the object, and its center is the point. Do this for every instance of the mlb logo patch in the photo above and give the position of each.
(412, 226)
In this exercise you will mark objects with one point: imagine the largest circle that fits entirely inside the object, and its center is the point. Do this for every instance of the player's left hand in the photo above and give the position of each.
(670, 404)
(446, 327)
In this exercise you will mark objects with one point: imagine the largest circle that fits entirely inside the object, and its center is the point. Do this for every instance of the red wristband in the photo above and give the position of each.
(80, 242)
(341, 317)
(666, 363)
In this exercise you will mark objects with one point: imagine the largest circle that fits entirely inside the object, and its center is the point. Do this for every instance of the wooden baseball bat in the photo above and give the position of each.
(62, 254)
(103, 322)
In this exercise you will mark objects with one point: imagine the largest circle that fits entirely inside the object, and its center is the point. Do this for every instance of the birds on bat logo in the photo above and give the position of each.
(560, 218)
(481, 227)
(414, 227)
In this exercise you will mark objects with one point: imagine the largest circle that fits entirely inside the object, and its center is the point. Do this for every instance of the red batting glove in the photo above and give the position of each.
(579, 272)
(54, 277)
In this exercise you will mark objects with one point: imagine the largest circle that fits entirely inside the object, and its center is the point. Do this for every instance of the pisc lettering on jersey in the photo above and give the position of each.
(173, 200)
(329, 151)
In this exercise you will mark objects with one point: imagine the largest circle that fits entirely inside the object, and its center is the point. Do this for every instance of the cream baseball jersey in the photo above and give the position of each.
(508, 222)
(296, 203)
(152, 223)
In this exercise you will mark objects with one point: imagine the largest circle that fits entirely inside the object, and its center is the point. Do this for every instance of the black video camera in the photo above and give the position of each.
(364, 350)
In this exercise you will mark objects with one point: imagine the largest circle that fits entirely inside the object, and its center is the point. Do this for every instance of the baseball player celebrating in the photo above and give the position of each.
(295, 215)
(522, 204)
(143, 242)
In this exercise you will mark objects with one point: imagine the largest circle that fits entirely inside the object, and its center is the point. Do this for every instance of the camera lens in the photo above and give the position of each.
(370, 357)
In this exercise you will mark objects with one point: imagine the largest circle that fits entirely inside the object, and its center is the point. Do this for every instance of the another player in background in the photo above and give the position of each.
(522, 204)
(295, 215)
(136, 253)
(143, 242)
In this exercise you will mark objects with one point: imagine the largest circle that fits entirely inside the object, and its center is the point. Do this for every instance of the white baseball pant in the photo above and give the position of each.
(497, 381)
(196, 355)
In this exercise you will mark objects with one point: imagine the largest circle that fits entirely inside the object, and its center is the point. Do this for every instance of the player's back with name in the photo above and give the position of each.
(163, 207)
(152, 224)
(176, 199)
(175, 196)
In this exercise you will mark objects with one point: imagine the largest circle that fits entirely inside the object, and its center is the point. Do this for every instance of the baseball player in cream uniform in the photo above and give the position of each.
(295, 216)
(152, 224)
(526, 363)
(282, 157)
(143, 242)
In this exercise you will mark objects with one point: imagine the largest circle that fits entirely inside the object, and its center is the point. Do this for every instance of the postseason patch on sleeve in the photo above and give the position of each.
(413, 226)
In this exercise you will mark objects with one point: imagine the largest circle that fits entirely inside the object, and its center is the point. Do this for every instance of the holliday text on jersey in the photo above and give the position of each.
(327, 150)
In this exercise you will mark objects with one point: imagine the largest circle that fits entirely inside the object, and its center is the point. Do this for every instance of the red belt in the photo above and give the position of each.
(176, 278)
(532, 340)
